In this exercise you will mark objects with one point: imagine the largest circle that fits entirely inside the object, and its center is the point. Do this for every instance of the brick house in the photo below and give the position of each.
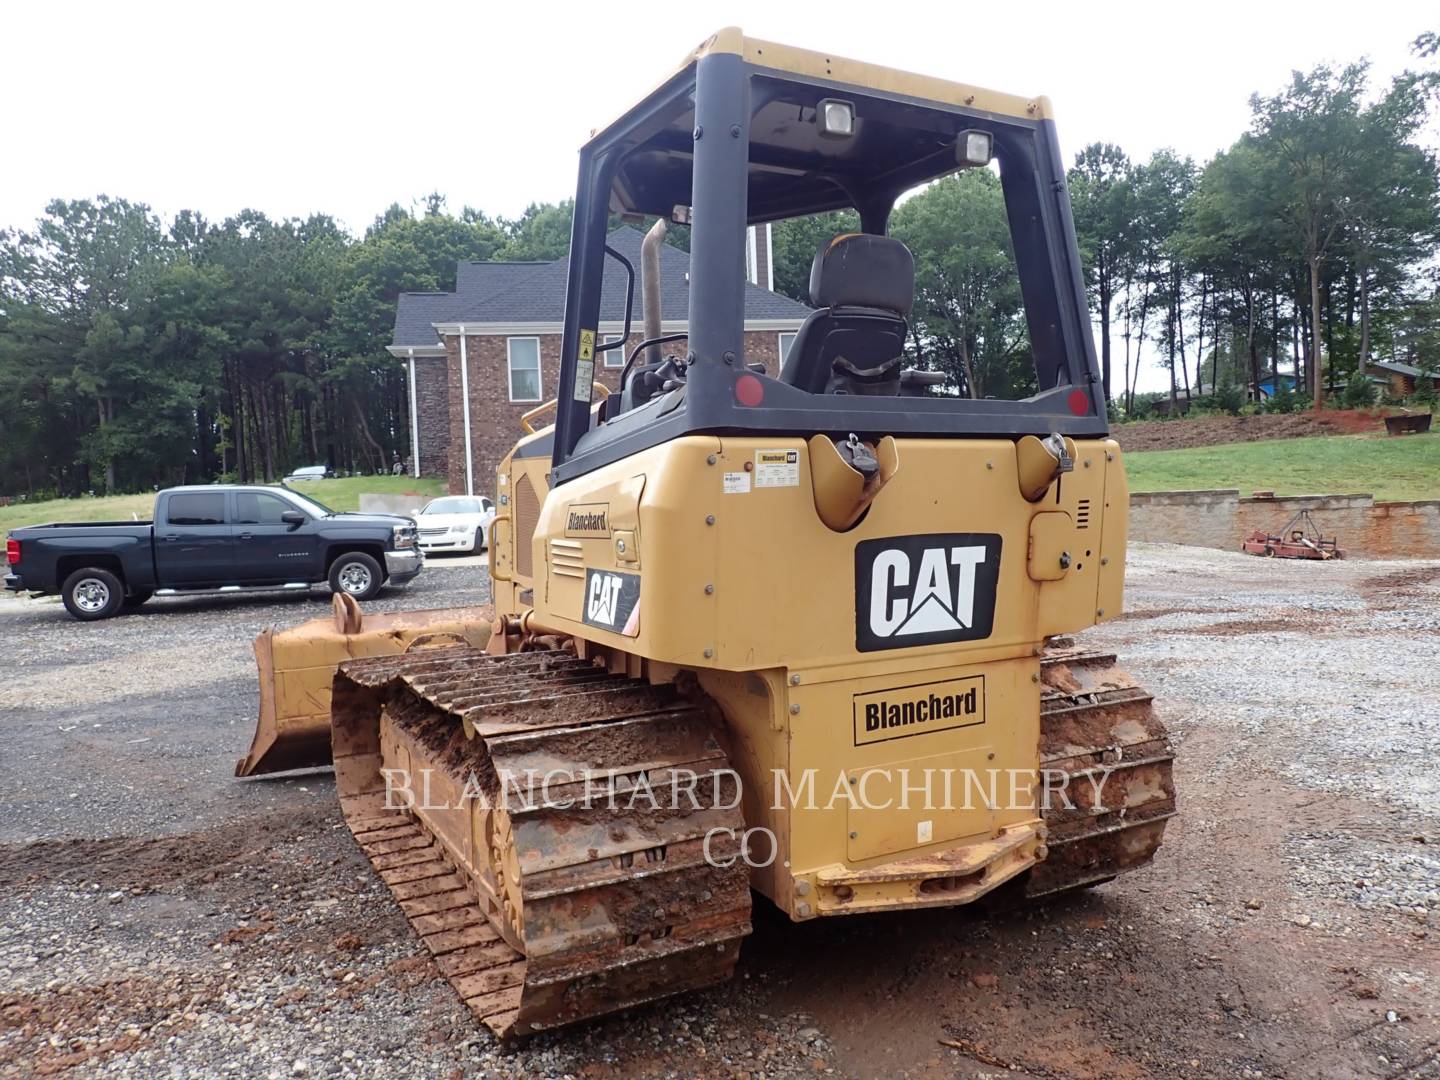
(496, 340)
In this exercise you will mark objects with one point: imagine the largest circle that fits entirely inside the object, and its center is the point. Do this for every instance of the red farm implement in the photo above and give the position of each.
(1300, 539)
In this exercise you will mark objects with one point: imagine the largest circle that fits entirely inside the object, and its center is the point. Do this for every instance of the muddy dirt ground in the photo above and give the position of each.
(158, 917)
(1214, 430)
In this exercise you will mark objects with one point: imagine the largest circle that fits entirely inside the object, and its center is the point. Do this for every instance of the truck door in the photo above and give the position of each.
(269, 550)
(194, 547)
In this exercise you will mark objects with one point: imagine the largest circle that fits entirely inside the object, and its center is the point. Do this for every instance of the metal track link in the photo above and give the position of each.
(1102, 744)
(544, 861)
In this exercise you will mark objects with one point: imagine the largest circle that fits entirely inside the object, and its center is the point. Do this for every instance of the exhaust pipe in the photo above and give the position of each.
(650, 285)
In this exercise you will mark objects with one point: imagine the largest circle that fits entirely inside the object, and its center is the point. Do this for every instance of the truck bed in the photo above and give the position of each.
(146, 523)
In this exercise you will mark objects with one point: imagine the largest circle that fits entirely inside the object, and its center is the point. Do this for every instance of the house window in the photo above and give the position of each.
(786, 340)
(523, 356)
(614, 358)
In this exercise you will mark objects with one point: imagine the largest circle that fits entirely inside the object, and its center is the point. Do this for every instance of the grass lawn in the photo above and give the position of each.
(1402, 468)
(338, 494)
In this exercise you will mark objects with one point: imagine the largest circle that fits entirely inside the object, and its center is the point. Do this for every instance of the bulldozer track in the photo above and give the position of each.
(593, 893)
(544, 906)
(1102, 744)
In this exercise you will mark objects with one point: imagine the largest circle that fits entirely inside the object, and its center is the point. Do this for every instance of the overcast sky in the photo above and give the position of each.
(298, 107)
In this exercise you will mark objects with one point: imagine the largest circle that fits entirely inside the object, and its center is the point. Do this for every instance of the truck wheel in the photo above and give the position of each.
(92, 593)
(135, 599)
(357, 574)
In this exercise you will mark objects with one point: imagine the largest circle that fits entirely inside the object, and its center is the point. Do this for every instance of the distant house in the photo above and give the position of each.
(497, 337)
(1269, 384)
(1161, 406)
(1400, 377)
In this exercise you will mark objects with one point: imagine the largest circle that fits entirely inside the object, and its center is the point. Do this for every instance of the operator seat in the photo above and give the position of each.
(862, 287)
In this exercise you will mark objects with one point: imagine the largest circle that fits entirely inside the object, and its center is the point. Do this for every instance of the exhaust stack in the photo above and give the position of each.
(650, 285)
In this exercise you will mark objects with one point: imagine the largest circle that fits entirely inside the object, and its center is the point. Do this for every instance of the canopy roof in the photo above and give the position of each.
(905, 132)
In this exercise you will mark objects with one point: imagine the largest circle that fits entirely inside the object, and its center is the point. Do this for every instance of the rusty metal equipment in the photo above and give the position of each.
(1408, 423)
(1300, 539)
(803, 633)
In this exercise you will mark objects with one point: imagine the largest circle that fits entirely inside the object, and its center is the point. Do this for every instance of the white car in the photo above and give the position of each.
(455, 523)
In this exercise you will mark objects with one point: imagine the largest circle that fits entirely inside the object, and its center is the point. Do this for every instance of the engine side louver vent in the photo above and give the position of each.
(567, 558)
(527, 516)
(1082, 514)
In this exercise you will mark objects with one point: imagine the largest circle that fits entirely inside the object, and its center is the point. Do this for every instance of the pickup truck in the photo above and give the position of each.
(218, 538)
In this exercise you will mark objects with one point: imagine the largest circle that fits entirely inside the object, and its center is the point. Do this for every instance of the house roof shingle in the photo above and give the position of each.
(414, 315)
(517, 293)
(1397, 367)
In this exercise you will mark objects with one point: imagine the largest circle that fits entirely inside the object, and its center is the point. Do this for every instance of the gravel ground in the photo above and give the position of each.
(102, 710)
(161, 918)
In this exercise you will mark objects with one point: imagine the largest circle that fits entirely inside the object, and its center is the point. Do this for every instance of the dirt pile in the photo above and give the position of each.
(1214, 430)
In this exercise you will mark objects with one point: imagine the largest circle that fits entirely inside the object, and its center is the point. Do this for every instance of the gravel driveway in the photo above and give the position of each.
(160, 917)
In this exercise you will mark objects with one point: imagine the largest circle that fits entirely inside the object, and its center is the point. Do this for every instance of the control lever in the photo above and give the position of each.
(916, 383)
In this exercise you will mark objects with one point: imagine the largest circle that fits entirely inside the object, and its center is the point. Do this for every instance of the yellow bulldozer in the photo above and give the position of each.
(799, 631)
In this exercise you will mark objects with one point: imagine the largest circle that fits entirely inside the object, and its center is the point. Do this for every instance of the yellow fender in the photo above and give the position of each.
(296, 668)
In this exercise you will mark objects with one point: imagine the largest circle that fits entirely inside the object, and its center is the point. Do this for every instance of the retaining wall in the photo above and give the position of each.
(1222, 519)
(404, 505)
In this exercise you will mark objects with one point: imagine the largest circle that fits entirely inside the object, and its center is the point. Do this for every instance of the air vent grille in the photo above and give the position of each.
(1082, 514)
(567, 558)
(527, 517)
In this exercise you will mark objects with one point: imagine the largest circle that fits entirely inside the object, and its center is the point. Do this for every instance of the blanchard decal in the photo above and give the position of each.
(587, 519)
(925, 589)
(777, 468)
(899, 713)
(612, 601)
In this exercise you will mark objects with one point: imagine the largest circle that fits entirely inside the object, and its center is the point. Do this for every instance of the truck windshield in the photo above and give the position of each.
(454, 506)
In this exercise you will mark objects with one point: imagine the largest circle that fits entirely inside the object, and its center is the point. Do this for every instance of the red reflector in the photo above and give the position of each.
(749, 390)
(12, 552)
(1079, 402)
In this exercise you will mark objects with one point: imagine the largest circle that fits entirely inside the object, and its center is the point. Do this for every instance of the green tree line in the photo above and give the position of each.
(1308, 246)
(135, 353)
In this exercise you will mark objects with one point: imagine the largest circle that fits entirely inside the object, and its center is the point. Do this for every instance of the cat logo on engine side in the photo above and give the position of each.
(612, 601)
(925, 590)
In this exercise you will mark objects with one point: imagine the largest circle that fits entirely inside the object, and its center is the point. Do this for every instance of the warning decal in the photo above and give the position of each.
(584, 380)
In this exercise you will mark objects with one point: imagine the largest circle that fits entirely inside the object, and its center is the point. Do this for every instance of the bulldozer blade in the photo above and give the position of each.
(297, 667)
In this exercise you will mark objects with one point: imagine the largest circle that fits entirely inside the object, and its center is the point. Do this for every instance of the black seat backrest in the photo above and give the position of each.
(862, 287)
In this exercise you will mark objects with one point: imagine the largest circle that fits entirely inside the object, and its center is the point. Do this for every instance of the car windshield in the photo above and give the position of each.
(453, 506)
(315, 506)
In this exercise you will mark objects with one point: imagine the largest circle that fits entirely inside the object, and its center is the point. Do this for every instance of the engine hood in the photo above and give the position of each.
(370, 519)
